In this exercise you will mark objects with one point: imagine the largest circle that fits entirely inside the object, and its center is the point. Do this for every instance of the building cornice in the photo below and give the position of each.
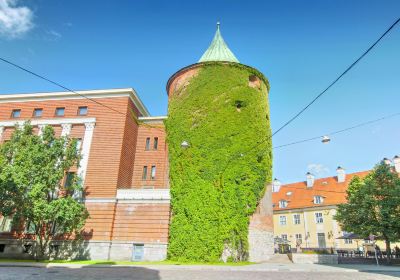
(153, 120)
(303, 209)
(58, 121)
(82, 94)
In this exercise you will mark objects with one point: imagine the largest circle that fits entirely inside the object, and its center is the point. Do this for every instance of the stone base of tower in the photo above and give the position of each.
(261, 245)
(261, 230)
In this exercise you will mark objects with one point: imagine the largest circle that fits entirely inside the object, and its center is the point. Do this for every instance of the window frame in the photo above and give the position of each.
(79, 144)
(144, 172)
(56, 111)
(294, 219)
(147, 145)
(153, 171)
(69, 179)
(35, 110)
(319, 219)
(5, 224)
(283, 203)
(16, 111)
(299, 236)
(79, 110)
(155, 143)
(284, 237)
(318, 199)
(282, 220)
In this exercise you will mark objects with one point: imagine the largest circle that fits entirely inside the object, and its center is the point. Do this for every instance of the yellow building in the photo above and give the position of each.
(304, 211)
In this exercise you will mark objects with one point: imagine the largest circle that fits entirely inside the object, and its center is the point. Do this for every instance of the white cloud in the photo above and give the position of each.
(14, 21)
(54, 35)
(317, 169)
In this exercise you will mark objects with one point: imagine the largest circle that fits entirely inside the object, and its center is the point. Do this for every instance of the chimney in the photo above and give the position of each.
(387, 161)
(396, 162)
(276, 185)
(341, 174)
(310, 179)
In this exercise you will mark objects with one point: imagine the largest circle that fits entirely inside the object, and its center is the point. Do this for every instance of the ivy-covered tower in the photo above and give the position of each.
(220, 154)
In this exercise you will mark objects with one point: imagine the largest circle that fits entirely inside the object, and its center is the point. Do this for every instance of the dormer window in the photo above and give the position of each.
(283, 203)
(318, 199)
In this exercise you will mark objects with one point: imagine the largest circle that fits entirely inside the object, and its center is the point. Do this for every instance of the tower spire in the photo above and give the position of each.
(218, 50)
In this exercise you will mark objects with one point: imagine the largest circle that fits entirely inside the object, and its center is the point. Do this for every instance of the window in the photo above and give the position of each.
(147, 143)
(56, 229)
(82, 111)
(144, 174)
(37, 113)
(138, 252)
(5, 224)
(282, 203)
(30, 228)
(299, 239)
(348, 241)
(153, 172)
(16, 113)
(282, 220)
(69, 179)
(318, 199)
(318, 218)
(155, 145)
(2, 248)
(296, 219)
(78, 144)
(60, 111)
(321, 240)
(284, 237)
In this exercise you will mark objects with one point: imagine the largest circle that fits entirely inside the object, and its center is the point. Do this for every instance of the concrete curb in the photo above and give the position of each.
(253, 268)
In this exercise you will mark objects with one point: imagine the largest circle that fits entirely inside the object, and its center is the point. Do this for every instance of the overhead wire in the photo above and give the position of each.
(338, 78)
(338, 131)
(269, 137)
(75, 92)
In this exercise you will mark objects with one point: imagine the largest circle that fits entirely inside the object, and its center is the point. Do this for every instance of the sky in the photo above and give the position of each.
(300, 46)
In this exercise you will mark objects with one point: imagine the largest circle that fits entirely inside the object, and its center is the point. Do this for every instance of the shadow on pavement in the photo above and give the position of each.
(87, 272)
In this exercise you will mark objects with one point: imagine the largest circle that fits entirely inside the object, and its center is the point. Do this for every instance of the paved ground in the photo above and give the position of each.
(166, 273)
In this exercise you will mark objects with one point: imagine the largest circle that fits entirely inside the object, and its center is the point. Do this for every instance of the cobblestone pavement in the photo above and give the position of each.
(136, 273)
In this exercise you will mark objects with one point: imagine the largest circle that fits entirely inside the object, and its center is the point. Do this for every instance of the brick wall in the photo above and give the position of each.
(147, 223)
(151, 157)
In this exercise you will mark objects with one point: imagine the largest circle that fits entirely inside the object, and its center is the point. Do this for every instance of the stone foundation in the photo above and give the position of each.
(261, 230)
(313, 258)
(261, 245)
(85, 250)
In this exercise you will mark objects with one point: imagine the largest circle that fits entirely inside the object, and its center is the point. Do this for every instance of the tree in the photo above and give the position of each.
(37, 190)
(373, 206)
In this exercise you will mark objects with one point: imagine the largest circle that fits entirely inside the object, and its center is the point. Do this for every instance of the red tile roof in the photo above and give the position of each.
(298, 195)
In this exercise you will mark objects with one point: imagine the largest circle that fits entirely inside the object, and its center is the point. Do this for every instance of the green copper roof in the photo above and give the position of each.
(218, 50)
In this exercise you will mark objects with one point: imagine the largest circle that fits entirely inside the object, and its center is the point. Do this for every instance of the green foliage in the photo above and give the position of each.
(218, 180)
(373, 205)
(32, 169)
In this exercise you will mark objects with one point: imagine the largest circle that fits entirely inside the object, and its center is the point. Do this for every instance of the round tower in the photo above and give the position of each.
(220, 153)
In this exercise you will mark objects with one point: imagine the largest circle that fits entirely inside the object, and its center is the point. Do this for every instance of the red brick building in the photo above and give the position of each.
(124, 167)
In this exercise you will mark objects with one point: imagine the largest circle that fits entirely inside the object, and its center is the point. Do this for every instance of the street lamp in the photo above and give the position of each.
(325, 139)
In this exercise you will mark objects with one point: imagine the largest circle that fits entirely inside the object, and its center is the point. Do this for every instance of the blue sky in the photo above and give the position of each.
(301, 46)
